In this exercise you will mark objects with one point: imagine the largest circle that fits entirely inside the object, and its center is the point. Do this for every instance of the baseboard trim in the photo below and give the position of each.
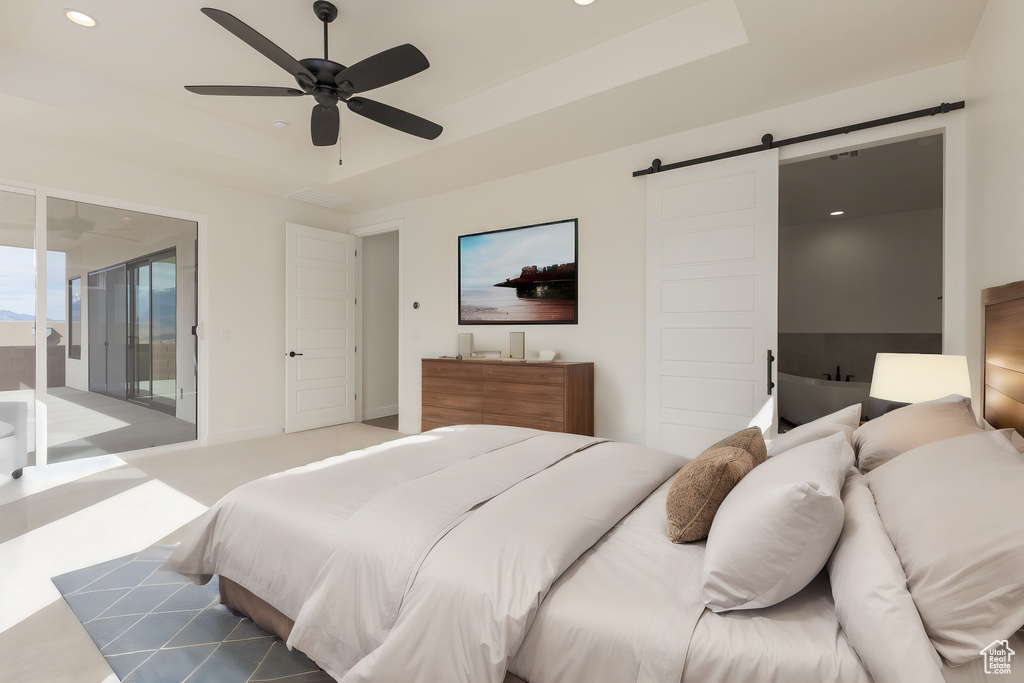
(374, 413)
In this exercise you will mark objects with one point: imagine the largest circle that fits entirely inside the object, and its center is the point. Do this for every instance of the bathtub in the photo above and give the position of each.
(803, 399)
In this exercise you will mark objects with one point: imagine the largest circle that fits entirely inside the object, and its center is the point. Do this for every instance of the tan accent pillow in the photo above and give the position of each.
(882, 439)
(703, 483)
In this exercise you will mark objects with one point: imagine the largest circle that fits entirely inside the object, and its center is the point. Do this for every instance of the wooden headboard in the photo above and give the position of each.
(1003, 370)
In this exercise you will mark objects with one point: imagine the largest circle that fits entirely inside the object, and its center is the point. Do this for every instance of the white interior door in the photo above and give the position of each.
(712, 299)
(321, 328)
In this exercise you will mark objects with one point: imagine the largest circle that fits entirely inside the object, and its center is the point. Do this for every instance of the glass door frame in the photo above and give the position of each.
(201, 398)
(36, 410)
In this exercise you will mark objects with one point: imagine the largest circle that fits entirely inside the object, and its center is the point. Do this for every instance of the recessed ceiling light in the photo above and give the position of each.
(836, 213)
(584, 2)
(280, 124)
(80, 18)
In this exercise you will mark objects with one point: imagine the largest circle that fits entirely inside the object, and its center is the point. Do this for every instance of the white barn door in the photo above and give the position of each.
(320, 321)
(712, 298)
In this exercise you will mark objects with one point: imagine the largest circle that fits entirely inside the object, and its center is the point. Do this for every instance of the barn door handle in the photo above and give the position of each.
(293, 354)
(771, 384)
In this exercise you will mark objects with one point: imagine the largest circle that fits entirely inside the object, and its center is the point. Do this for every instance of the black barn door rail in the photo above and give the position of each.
(768, 142)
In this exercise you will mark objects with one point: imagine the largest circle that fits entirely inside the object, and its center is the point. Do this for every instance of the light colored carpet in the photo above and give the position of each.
(53, 523)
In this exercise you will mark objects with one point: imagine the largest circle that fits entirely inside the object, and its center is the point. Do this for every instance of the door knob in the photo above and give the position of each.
(293, 354)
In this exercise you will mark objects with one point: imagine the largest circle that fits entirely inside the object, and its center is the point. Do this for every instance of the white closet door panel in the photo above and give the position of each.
(708, 245)
(712, 310)
(717, 345)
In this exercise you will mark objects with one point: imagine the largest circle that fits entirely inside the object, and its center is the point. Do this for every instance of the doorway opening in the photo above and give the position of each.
(380, 329)
(860, 271)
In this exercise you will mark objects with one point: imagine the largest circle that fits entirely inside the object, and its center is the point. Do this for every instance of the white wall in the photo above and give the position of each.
(869, 274)
(242, 237)
(995, 138)
(610, 205)
(19, 333)
(379, 255)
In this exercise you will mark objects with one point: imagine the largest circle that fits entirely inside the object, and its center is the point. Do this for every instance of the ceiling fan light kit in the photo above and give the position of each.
(329, 82)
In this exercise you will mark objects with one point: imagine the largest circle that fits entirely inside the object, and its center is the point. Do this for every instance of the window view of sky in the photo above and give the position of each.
(17, 284)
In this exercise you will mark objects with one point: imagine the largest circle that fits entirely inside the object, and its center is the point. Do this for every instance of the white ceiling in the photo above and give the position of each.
(887, 178)
(517, 85)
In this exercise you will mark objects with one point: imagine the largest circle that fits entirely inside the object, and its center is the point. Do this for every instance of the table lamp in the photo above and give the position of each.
(916, 377)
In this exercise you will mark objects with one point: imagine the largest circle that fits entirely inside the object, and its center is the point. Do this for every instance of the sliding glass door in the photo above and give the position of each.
(152, 331)
(98, 353)
(132, 384)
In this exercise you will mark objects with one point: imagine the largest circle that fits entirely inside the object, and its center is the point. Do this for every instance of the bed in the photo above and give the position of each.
(882, 552)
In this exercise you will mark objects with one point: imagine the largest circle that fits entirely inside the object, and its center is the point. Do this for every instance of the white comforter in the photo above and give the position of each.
(424, 559)
(642, 629)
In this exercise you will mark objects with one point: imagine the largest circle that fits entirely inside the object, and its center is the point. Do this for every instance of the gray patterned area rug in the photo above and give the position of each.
(155, 626)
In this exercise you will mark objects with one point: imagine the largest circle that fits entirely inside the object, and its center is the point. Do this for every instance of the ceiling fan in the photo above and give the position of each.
(77, 226)
(330, 82)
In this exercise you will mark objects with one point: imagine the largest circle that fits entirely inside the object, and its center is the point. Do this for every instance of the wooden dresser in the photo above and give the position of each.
(556, 396)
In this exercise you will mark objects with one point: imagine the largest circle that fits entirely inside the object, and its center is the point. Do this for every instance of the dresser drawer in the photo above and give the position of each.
(457, 401)
(552, 412)
(441, 385)
(449, 369)
(519, 391)
(449, 416)
(521, 372)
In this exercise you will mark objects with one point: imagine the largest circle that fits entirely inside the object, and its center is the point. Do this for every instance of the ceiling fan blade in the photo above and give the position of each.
(395, 118)
(324, 125)
(248, 90)
(261, 44)
(383, 68)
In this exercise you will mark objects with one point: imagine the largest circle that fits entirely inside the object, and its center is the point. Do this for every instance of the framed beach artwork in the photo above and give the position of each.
(519, 276)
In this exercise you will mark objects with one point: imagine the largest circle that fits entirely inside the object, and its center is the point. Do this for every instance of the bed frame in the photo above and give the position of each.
(1003, 369)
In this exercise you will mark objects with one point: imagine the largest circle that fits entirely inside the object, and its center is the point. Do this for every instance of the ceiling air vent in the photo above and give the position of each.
(319, 197)
(842, 155)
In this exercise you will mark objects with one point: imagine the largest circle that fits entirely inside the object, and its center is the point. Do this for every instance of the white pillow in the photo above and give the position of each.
(882, 439)
(764, 417)
(845, 420)
(870, 593)
(777, 527)
(954, 511)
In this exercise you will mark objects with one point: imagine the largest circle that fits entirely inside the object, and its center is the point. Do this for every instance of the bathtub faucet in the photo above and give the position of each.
(839, 377)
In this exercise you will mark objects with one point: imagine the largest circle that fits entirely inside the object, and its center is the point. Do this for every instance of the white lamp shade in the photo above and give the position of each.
(916, 377)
